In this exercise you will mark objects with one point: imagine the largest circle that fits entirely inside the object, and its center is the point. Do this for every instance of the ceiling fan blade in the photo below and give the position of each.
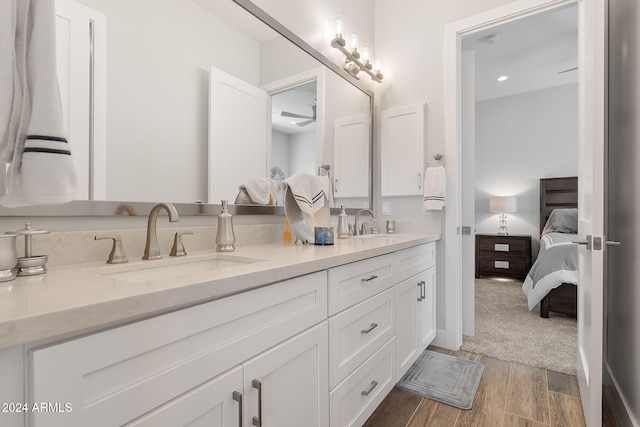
(294, 115)
(567, 70)
(306, 122)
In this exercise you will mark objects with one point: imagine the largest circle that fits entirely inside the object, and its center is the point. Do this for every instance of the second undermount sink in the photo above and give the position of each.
(172, 268)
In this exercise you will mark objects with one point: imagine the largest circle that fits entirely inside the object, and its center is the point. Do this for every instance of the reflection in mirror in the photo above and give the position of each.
(153, 143)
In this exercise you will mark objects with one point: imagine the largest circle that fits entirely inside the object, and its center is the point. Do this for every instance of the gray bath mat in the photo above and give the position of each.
(444, 378)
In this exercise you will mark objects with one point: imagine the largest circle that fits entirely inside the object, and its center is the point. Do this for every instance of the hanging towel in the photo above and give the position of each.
(262, 191)
(434, 188)
(41, 169)
(307, 191)
(325, 180)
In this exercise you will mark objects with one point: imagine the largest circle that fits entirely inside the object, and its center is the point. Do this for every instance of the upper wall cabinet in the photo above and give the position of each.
(402, 145)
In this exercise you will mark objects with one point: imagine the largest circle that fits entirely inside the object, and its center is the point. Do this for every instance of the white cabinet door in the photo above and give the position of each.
(288, 386)
(415, 318)
(402, 144)
(216, 403)
(426, 312)
(407, 293)
(351, 157)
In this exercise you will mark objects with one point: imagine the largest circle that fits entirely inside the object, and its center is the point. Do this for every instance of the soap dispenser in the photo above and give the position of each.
(343, 224)
(225, 238)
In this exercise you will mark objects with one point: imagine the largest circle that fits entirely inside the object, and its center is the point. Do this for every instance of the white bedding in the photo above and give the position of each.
(557, 263)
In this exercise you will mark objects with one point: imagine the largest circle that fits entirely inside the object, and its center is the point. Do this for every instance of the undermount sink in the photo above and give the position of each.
(171, 268)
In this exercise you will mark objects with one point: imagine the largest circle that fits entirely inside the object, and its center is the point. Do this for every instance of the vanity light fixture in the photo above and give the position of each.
(503, 78)
(353, 61)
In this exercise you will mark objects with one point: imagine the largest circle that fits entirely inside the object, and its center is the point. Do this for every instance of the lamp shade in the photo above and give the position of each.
(503, 204)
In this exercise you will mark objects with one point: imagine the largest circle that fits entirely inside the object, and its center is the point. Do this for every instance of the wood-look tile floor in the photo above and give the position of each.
(509, 395)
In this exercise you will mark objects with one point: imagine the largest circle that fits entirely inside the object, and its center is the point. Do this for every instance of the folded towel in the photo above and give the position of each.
(262, 191)
(434, 188)
(41, 169)
(307, 191)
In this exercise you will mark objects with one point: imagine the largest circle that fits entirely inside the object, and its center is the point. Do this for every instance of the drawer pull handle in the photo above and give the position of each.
(371, 328)
(420, 295)
(374, 384)
(423, 288)
(238, 398)
(257, 421)
(370, 278)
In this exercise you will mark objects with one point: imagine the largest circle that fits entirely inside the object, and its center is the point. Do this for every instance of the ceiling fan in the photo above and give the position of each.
(310, 119)
(567, 70)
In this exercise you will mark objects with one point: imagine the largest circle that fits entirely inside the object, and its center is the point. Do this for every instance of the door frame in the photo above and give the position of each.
(453, 144)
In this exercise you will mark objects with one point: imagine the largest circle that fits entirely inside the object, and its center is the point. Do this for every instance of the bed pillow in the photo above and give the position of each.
(562, 221)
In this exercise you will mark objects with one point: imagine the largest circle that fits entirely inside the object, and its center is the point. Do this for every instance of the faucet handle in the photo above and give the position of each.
(178, 247)
(117, 255)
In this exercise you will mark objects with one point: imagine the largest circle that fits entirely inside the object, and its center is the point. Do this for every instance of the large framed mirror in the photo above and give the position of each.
(158, 132)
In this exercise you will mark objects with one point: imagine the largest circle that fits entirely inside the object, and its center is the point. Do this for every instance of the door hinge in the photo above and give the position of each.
(466, 230)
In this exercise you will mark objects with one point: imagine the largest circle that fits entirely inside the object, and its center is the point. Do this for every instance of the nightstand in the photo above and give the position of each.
(508, 256)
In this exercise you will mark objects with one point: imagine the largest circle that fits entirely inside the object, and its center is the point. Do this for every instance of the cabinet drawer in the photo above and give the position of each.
(502, 245)
(412, 261)
(114, 377)
(355, 399)
(349, 284)
(513, 266)
(355, 334)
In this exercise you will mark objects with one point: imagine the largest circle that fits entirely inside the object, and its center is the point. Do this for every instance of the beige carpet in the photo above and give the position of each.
(506, 330)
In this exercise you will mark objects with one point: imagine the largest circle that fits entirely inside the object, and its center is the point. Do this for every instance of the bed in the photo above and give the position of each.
(553, 278)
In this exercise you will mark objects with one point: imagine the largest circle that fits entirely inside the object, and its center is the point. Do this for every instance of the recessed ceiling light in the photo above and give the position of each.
(502, 78)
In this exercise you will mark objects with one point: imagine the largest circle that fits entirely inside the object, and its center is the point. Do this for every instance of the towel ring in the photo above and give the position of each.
(438, 156)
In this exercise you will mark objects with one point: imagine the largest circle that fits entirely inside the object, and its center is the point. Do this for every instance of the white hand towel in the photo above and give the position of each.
(307, 191)
(261, 190)
(434, 188)
(41, 169)
(325, 180)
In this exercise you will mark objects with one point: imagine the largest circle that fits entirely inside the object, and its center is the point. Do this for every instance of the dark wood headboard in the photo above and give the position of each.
(557, 193)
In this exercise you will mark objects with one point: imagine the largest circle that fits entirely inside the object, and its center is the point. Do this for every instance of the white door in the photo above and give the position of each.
(426, 313)
(407, 295)
(468, 197)
(81, 57)
(288, 386)
(591, 184)
(351, 152)
(237, 134)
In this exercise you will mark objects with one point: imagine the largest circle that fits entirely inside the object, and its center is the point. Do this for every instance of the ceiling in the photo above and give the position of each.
(530, 51)
(298, 100)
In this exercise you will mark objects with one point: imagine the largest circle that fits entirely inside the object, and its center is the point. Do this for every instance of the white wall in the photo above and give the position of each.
(280, 155)
(159, 53)
(302, 149)
(520, 139)
(410, 38)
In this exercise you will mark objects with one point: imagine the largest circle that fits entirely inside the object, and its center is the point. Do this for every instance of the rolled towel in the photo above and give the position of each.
(262, 191)
(434, 188)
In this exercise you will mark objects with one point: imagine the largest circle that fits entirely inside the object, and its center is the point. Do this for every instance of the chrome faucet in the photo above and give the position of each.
(151, 249)
(362, 230)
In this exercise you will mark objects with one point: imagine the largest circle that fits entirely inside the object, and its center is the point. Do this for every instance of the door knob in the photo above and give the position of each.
(586, 242)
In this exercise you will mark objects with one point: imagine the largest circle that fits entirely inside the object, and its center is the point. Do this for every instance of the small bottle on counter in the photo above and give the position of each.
(286, 232)
(343, 224)
(225, 237)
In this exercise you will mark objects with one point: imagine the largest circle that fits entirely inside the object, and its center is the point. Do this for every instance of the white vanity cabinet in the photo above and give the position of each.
(415, 310)
(190, 358)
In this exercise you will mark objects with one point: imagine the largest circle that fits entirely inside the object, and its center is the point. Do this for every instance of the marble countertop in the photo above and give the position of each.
(77, 299)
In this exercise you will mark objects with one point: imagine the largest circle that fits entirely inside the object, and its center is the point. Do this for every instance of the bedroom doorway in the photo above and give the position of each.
(519, 103)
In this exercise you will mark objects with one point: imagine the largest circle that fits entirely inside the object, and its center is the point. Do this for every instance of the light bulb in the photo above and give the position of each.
(366, 53)
(339, 28)
(377, 67)
(353, 42)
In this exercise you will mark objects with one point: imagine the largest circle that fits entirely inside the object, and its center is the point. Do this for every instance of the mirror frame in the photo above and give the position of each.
(117, 208)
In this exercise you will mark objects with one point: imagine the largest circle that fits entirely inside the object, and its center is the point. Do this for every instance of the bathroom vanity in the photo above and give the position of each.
(276, 335)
